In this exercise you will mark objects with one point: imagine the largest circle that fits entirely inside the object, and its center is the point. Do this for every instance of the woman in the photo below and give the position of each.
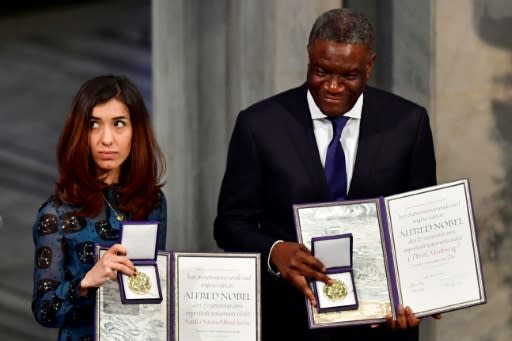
(109, 171)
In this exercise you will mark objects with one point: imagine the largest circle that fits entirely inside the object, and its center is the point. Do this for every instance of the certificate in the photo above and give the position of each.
(115, 320)
(418, 249)
(216, 296)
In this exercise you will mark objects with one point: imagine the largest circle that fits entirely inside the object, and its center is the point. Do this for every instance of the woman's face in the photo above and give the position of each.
(110, 138)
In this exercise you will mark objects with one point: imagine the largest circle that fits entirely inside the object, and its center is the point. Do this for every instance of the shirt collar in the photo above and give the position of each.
(316, 113)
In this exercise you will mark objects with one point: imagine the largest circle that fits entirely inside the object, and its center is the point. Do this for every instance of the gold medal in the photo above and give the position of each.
(337, 291)
(139, 283)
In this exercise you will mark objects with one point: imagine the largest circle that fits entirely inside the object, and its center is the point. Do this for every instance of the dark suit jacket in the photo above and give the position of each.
(273, 163)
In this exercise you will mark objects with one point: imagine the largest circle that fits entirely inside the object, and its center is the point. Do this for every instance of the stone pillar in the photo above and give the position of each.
(175, 107)
(472, 101)
(210, 60)
(455, 57)
(405, 49)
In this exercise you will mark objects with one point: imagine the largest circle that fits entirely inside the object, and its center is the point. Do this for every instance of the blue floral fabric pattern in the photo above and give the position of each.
(64, 252)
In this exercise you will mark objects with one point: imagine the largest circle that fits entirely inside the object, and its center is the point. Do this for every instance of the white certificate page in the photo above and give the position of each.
(217, 297)
(435, 248)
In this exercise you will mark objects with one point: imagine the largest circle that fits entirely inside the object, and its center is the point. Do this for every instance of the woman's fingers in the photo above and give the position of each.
(115, 260)
(117, 249)
(126, 267)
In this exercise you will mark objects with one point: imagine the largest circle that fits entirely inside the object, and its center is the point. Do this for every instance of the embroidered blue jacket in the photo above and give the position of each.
(64, 252)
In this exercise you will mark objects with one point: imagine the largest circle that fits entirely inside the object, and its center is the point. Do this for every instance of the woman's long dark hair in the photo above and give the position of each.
(139, 182)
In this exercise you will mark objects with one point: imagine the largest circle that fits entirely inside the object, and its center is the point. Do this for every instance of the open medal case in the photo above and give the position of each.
(140, 240)
(335, 252)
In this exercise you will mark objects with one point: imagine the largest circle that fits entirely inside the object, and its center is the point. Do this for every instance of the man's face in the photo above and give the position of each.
(337, 74)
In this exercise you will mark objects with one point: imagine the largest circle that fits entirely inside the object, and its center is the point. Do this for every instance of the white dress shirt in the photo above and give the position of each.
(349, 136)
(323, 135)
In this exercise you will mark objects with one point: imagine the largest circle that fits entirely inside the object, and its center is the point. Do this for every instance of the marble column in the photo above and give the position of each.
(472, 101)
(405, 47)
(210, 60)
(454, 57)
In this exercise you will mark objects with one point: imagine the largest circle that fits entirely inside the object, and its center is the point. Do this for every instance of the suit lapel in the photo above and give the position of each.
(367, 148)
(303, 138)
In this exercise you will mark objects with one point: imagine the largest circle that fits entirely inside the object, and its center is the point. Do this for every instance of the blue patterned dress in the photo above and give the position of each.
(64, 252)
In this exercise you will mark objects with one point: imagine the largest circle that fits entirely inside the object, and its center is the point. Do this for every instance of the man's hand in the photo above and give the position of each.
(405, 319)
(296, 264)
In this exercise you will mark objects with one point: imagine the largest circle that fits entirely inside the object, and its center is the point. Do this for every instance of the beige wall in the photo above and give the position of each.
(455, 58)
(472, 109)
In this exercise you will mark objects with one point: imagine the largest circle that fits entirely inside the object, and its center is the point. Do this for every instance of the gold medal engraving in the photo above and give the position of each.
(139, 283)
(337, 291)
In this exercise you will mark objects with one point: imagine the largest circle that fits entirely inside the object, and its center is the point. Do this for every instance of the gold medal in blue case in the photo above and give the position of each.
(337, 291)
(139, 283)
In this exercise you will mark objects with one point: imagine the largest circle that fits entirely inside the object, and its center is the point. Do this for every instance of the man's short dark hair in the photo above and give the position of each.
(343, 25)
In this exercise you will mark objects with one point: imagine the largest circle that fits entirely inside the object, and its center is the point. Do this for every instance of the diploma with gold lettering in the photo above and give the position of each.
(216, 296)
(418, 249)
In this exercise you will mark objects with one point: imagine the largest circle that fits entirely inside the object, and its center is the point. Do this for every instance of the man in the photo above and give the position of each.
(277, 156)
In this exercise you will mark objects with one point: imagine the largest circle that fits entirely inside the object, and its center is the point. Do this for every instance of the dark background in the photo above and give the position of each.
(47, 50)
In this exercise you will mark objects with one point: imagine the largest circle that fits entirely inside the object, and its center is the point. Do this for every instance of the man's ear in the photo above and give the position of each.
(369, 65)
(308, 55)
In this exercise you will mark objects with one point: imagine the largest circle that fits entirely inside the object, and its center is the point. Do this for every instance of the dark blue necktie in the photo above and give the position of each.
(335, 169)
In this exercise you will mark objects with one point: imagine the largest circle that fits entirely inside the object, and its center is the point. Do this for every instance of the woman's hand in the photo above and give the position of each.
(106, 268)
